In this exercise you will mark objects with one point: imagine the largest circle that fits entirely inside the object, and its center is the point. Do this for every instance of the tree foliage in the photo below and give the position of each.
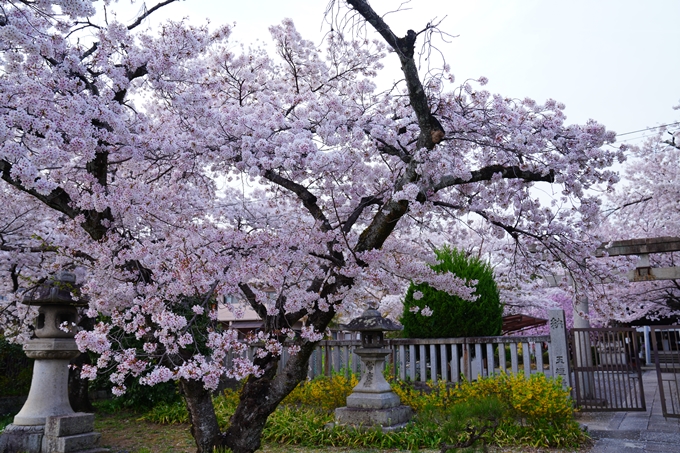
(430, 313)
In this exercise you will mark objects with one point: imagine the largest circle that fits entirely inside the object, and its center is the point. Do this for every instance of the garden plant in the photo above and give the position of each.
(502, 410)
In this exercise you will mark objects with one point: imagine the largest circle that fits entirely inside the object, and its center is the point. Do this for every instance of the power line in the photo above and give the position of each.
(649, 129)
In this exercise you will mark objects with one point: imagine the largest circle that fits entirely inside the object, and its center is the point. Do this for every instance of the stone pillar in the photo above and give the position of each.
(559, 347)
(648, 351)
(582, 347)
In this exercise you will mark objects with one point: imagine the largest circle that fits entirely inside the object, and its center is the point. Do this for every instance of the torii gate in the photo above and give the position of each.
(642, 272)
(642, 248)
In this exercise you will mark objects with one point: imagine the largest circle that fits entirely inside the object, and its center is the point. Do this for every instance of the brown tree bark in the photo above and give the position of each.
(204, 427)
(261, 396)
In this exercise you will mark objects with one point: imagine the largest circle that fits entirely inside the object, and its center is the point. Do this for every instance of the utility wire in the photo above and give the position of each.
(649, 129)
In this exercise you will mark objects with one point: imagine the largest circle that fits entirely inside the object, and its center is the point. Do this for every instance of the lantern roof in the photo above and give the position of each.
(372, 321)
(56, 290)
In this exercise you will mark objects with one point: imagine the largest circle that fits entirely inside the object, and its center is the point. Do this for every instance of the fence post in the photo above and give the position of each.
(526, 359)
(559, 351)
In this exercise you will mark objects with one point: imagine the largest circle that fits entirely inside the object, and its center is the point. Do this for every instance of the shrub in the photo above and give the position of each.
(536, 401)
(468, 422)
(138, 397)
(323, 392)
(453, 316)
(436, 397)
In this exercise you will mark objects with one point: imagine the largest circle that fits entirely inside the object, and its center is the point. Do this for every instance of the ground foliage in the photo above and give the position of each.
(535, 411)
(16, 369)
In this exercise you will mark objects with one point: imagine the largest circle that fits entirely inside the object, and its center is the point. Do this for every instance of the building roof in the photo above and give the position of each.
(516, 323)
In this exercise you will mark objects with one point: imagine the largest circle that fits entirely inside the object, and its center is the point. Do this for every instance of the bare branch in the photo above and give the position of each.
(354, 216)
(60, 201)
(148, 12)
(431, 131)
(308, 199)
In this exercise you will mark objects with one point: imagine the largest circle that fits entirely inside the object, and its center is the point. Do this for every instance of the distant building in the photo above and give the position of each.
(227, 315)
(237, 314)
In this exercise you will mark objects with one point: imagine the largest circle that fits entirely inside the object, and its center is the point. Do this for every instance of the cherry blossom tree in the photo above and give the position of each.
(179, 168)
(645, 205)
(25, 255)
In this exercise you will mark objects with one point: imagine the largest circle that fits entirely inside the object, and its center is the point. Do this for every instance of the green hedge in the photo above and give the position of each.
(452, 316)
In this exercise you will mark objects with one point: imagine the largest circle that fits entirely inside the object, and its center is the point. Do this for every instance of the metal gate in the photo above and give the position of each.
(606, 367)
(666, 353)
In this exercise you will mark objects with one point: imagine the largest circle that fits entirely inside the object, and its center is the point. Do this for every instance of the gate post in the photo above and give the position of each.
(559, 352)
(648, 350)
(582, 348)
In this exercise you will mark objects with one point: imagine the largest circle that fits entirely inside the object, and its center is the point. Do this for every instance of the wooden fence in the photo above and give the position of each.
(438, 359)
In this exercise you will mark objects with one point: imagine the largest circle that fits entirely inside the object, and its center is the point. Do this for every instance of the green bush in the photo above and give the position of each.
(467, 423)
(453, 316)
(16, 370)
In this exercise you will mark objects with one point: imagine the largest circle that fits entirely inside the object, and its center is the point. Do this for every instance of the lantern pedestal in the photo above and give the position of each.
(372, 402)
(49, 386)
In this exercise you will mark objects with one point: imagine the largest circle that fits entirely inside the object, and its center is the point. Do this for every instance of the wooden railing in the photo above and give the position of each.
(455, 358)
(449, 359)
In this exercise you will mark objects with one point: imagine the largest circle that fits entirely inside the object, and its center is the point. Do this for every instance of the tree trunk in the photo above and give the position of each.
(261, 396)
(246, 425)
(204, 427)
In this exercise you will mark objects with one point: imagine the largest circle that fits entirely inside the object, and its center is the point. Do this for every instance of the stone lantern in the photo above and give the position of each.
(46, 422)
(372, 402)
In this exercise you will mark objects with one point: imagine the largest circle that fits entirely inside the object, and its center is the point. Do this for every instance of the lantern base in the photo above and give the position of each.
(383, 400)
(61, 434)
(390, 419)
(23, 438)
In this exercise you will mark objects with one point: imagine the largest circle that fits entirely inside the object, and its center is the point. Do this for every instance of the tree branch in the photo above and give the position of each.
(147, 13)
(354, 216)
(486, 173)
(308, 199)
(431, 131)
(60, 201)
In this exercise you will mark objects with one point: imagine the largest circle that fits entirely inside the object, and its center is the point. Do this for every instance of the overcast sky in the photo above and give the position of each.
(614, 61)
